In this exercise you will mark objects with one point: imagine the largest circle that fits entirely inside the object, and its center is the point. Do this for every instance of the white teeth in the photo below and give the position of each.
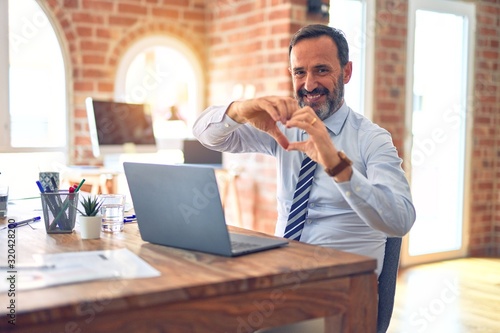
(313, 96)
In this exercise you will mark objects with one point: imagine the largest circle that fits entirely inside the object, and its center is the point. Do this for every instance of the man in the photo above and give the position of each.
(359, 192)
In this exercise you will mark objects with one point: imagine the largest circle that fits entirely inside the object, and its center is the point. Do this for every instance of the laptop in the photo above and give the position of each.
(179, 206)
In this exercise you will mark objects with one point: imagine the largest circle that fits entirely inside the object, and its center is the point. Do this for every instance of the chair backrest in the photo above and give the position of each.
(387, 283)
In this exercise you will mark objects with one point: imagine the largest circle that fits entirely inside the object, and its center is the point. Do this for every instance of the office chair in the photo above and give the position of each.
(387, 283)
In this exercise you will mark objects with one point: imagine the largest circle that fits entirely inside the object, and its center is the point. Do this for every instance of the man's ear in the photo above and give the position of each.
(347, 72)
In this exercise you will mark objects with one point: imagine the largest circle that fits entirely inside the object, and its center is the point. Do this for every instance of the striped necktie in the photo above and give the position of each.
(298, 211)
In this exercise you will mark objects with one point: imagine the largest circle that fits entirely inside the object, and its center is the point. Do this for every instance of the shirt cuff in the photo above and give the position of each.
(223, 123)
(357, 189)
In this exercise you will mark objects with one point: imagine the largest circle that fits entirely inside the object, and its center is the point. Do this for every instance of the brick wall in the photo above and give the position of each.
(390, 60)
(483, 199)
(96, 33)
(485, 168)
(244, 42)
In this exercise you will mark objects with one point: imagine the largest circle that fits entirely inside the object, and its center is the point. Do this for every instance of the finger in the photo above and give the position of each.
(285, 108)
(281, 110)
(305, 114)
(280, 138)
(299, 145)
(305, 122)
(263, 104)
(292, 107)
(249, 109)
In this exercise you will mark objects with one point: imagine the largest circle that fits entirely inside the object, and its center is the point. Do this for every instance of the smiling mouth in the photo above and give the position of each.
(312, 98)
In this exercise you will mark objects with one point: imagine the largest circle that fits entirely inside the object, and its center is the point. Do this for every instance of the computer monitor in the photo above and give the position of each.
(196, 153)
(117, 128)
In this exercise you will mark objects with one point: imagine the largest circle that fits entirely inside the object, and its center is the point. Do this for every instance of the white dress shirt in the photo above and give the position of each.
(354, 216)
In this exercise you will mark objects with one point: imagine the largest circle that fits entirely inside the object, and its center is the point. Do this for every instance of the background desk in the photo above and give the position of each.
(198, 292)
(98, 180)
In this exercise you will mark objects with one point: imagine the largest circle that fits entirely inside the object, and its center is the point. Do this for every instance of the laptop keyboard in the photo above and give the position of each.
(241, 246)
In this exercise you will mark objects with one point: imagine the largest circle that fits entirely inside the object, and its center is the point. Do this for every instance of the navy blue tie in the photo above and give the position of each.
(298, 211)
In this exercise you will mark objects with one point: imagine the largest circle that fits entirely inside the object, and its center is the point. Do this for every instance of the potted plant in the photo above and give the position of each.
(90, 218)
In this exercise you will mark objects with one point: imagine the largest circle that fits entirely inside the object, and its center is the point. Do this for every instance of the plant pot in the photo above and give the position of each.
(90, 226)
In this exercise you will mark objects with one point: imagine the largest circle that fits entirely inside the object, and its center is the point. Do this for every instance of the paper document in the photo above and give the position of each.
(72, 267)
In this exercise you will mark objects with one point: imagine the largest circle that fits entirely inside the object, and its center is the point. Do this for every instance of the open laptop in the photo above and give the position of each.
(180, 206)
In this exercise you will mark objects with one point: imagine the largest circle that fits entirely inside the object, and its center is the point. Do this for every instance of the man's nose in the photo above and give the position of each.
(310, 82)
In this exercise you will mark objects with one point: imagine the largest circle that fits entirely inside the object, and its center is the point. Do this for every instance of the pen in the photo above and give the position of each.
(80, 185)
(130, 218)
(54, 183)
(21, 223)
(65, 205)
(42, 190)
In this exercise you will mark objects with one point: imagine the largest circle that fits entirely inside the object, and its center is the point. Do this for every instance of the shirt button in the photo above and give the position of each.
(308, 221)
(358, 188)
(311, 205)
(226, 125)
(348, 194)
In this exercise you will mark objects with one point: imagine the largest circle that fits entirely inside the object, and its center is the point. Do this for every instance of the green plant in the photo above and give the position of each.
(91, 205)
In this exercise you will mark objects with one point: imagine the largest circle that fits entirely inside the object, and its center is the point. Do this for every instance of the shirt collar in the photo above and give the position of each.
(337, 120)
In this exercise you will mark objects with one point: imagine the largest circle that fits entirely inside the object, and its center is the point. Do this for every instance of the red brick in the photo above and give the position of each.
(106, 87)
(84, 31)
(193, 15)
(178, 3)
(87, 45)
(70, 3)
(103, 33)
(79, 140)
(122, 20)
(105, 6)
(79, 17)
(93, 59)
(93, 73)
(83, 86)
(128, 8)
(167, 13)
(493, 55)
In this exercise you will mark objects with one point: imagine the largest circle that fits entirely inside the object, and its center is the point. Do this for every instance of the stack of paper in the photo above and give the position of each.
(74, 267)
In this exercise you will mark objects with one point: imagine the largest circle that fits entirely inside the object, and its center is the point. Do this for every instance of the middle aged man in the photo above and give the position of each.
(359, 193)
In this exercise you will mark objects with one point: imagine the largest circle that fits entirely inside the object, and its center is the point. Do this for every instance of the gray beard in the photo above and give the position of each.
(333, 101)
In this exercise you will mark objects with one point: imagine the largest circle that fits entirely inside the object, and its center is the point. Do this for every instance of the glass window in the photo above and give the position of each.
(438, 123)
(36, 80)
(349, 16)
(162, 75)
(33, 115)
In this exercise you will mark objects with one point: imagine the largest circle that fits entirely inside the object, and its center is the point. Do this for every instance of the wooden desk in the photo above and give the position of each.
(197, 292)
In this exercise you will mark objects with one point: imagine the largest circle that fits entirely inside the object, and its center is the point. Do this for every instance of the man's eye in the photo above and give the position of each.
(299, 73)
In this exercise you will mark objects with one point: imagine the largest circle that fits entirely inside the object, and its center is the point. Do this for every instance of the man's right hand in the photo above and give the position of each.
(263, 113)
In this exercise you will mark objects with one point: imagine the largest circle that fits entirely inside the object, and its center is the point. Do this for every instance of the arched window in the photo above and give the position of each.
(33, 99)
(164, 74)
(33, 103)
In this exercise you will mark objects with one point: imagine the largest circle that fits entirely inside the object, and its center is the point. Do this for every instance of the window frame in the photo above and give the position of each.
(467, 10)
(4, 77)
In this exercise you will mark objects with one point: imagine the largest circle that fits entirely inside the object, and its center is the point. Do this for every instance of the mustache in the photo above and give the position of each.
(319, 90)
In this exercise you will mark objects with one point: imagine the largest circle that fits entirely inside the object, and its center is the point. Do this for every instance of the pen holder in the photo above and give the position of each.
(59, 211)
